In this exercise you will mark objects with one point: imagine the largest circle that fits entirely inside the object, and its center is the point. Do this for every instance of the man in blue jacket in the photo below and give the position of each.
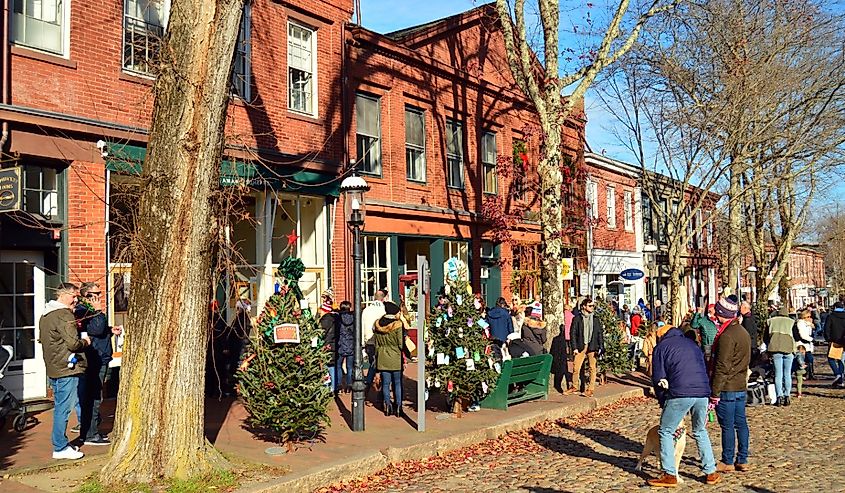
(682, 386)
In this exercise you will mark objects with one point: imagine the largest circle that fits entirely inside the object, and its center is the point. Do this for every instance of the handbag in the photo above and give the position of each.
(410, 347)
(756, 394)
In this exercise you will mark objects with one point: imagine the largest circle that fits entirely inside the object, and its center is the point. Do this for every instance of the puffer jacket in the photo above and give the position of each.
(388, 336)
(346, 334)
(59, 338)
(679, 360)
(501, 324)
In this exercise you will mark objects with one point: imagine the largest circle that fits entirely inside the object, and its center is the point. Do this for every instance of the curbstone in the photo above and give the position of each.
(305, 483)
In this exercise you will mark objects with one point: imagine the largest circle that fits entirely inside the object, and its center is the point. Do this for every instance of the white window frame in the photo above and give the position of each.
(374, 148)
(610, 190)
(628, 197)
(63, 20)
(149, 35)
(382, 266)
(415, 164)
(245, 51)
(454, 131)
(488, 165)
(593, 199)
(48, 198)
(313, 69)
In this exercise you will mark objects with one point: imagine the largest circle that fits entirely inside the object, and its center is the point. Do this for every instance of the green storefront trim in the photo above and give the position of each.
(129, 159)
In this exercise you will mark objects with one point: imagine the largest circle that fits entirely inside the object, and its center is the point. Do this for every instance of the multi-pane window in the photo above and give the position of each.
(375, 273)
(460, 251)
(648, 224)
(17, 308)
(709, 229)
(241, 67)
(488, 162)
(593, 198)
(40, 24)
(520, 170)
(368, 133)
(144, 22)
(629, 210)
(415, 144)
(454, 154)
(526, 271)
(662, 222)
(41, 191)
(611, 207)
(301, 68)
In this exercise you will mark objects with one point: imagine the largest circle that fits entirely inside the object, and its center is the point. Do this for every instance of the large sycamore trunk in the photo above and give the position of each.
(158, 430)
(551, 221)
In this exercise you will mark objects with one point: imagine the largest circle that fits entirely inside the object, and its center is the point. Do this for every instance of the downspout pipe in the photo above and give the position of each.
(7, 74)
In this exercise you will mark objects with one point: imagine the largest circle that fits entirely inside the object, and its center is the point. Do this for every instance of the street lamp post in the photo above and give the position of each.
(753, 272)
(353, 189)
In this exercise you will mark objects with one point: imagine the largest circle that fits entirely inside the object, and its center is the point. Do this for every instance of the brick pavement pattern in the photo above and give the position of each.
(793, 449)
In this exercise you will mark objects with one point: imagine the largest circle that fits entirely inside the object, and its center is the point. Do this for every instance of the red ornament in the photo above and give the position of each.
(299, 359)
(292, 237)
(269, 385)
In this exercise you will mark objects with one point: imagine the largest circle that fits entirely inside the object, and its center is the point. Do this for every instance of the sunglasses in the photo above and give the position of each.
(93, 294)
(591, 306)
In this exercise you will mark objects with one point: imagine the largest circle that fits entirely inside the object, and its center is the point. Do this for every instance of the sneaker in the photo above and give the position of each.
(474, 408)
(712, 478)
(836, 381)
(570, 391)
(69, 452)
(666, 481)
(588, 393)
(75, 429)
(97, 440)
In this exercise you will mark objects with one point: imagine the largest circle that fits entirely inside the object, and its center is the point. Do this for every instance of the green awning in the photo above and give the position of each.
(129, 159)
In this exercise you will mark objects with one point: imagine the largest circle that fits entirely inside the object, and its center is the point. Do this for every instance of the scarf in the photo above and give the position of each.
(711, 365)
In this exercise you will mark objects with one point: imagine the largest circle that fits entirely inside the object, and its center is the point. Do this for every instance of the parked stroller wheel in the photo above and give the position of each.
(20, 423)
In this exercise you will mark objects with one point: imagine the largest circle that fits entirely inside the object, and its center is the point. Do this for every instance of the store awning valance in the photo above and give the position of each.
(129, 159)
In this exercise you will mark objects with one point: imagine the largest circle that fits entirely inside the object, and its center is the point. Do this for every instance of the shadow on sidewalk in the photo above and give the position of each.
(216, 411)
(537, 489)
(567, 446)
(609, 439)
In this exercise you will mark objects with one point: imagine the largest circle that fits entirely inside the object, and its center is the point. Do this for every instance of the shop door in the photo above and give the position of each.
(21, 305)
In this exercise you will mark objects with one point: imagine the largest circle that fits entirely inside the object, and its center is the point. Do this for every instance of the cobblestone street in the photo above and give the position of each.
(793, 449)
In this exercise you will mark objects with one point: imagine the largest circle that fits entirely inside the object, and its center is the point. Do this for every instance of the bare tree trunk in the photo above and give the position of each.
(159, 427)
(735, 228)
(552, 226)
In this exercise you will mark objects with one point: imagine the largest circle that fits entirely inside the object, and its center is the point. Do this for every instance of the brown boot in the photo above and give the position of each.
(712, 478)
(570, 391)
(666, 481)
(588, 393)
(742, 467)
(723, 468)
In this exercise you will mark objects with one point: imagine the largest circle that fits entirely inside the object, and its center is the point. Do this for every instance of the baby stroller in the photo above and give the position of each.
(9, 404)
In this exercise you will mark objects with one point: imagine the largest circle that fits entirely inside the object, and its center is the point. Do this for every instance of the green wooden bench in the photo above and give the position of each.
(522, 379)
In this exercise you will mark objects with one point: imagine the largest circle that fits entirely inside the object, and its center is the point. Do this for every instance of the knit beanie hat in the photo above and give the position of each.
(391, 308)
(726, 308)
(537, 309)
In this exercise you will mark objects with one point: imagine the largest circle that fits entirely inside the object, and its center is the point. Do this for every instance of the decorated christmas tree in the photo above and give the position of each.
(614, 359)
(460, 353)
(282, 378)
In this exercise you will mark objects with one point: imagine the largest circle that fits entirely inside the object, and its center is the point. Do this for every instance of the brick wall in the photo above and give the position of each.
(86, 222)
(618, 237)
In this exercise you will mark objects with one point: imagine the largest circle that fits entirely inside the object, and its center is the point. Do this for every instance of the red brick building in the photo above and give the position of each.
(435, 109)
(82, 72)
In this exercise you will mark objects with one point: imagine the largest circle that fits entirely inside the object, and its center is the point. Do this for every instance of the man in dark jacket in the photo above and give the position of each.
(834, 333)
(92, 321)
(682, 386)
(65, 363)
(587, 340)
(731, 356)
(501, 323)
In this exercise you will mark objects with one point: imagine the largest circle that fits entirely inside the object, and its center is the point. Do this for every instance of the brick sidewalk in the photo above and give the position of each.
(342, 453)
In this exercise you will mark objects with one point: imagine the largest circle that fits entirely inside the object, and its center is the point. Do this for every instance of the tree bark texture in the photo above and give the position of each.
(551, 220)
(159, 425)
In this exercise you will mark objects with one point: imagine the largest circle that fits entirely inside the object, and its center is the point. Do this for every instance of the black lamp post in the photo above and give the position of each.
(353, 189)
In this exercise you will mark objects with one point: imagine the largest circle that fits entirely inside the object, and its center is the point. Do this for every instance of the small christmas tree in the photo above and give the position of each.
(615, 356)
(460, 353)
(283, 385)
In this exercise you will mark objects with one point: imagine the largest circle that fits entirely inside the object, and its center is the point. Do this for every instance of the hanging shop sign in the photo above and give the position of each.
(10, 189)
(632, 274)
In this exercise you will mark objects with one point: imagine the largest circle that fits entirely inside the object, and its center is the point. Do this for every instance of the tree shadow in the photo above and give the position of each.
(537, 489)
(216, 411)
(567, 446)
(758, 489)
(609, 439)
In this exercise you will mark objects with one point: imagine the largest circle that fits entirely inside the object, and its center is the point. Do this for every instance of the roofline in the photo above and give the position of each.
(611, 164)
(443, 24)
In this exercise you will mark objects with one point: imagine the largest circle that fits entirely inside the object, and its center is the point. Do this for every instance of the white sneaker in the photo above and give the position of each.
(69, 452)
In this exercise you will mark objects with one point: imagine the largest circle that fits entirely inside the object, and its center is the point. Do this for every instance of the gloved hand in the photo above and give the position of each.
(714, 401)
(663, 384)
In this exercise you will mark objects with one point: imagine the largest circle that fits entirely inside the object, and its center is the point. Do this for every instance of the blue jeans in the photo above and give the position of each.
(837, 365)
(90, 398)
(65, 399)
(783, 373)
(333, 376)
(350, 368)
(673, 413)
(394, 377)
(731, 414)
(371, 359)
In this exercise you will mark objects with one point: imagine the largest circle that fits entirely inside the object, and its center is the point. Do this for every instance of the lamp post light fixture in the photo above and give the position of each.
(353, 188)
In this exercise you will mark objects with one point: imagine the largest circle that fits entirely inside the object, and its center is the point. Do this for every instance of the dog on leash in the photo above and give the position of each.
(652, 446)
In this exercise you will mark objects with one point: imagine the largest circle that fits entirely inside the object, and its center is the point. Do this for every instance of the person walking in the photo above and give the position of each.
(92, 321)
(805, 329)
(389, 341)
(682, 387)
(834, 334)
(65, 363)
(560, 353)
(329, 323)
(729, 384)
(587, 335)
(781, 346)
(345, 345)
(369, 316)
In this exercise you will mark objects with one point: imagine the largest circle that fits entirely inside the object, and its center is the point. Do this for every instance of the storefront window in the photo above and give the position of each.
(17, 308)
(525, 281)
(375, 273)
(41, 191)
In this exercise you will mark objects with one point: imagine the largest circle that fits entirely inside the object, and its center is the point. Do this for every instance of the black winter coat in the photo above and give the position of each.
(576, 334)
(834, 329)
(328, 322)
(346, 334)
(749, 322)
